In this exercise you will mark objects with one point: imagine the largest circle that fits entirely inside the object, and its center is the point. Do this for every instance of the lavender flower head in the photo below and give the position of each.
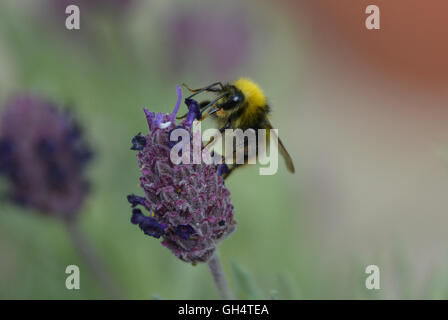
(190, 206)
(42, 157)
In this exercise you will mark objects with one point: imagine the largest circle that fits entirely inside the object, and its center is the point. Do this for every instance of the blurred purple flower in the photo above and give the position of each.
(191, 207)
(42, 156)
(217, 38)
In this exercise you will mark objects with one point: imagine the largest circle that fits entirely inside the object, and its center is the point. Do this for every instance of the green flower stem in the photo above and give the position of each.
(92, 260)
(219, 278)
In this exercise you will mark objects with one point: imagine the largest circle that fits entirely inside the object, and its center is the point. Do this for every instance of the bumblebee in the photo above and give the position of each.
(239, 105)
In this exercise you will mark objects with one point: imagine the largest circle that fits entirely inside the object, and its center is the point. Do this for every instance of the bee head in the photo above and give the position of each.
(251, 92)
(233, 99)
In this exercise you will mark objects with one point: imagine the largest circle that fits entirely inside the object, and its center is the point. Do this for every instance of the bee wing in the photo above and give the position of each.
(283, 151)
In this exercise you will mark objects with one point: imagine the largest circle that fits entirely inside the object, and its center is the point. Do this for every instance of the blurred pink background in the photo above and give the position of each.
(372, 140)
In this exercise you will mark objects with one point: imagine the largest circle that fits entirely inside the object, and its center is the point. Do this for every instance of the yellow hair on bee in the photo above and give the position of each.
(253, 94)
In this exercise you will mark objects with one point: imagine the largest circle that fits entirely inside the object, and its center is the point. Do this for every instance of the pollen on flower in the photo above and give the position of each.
(187, 201)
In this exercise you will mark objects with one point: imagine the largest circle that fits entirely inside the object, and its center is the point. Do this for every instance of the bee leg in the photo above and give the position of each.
(209, 141)
(203, 104)
(207, 88)
(238, 165)
(211, 104)
(188, 88)
(226, 126)
(228, 169)
(221, 131)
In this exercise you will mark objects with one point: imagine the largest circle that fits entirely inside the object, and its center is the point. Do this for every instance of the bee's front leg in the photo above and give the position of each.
(228, 125)
(203, 104)
(209, 88)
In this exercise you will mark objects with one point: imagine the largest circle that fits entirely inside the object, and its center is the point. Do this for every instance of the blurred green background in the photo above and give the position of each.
(125, 58)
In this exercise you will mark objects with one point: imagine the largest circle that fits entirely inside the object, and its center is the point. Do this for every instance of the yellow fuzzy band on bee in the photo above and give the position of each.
(254, 96)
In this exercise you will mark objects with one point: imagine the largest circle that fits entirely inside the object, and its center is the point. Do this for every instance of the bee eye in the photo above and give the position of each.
(235, 98)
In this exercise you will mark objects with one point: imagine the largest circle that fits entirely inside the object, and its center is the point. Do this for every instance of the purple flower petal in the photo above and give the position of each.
(138, 142)
(149, 118)
(176, 108)
(222, 169)
(136, 200)
(148, 225)
(194, 112)
(184, 231)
